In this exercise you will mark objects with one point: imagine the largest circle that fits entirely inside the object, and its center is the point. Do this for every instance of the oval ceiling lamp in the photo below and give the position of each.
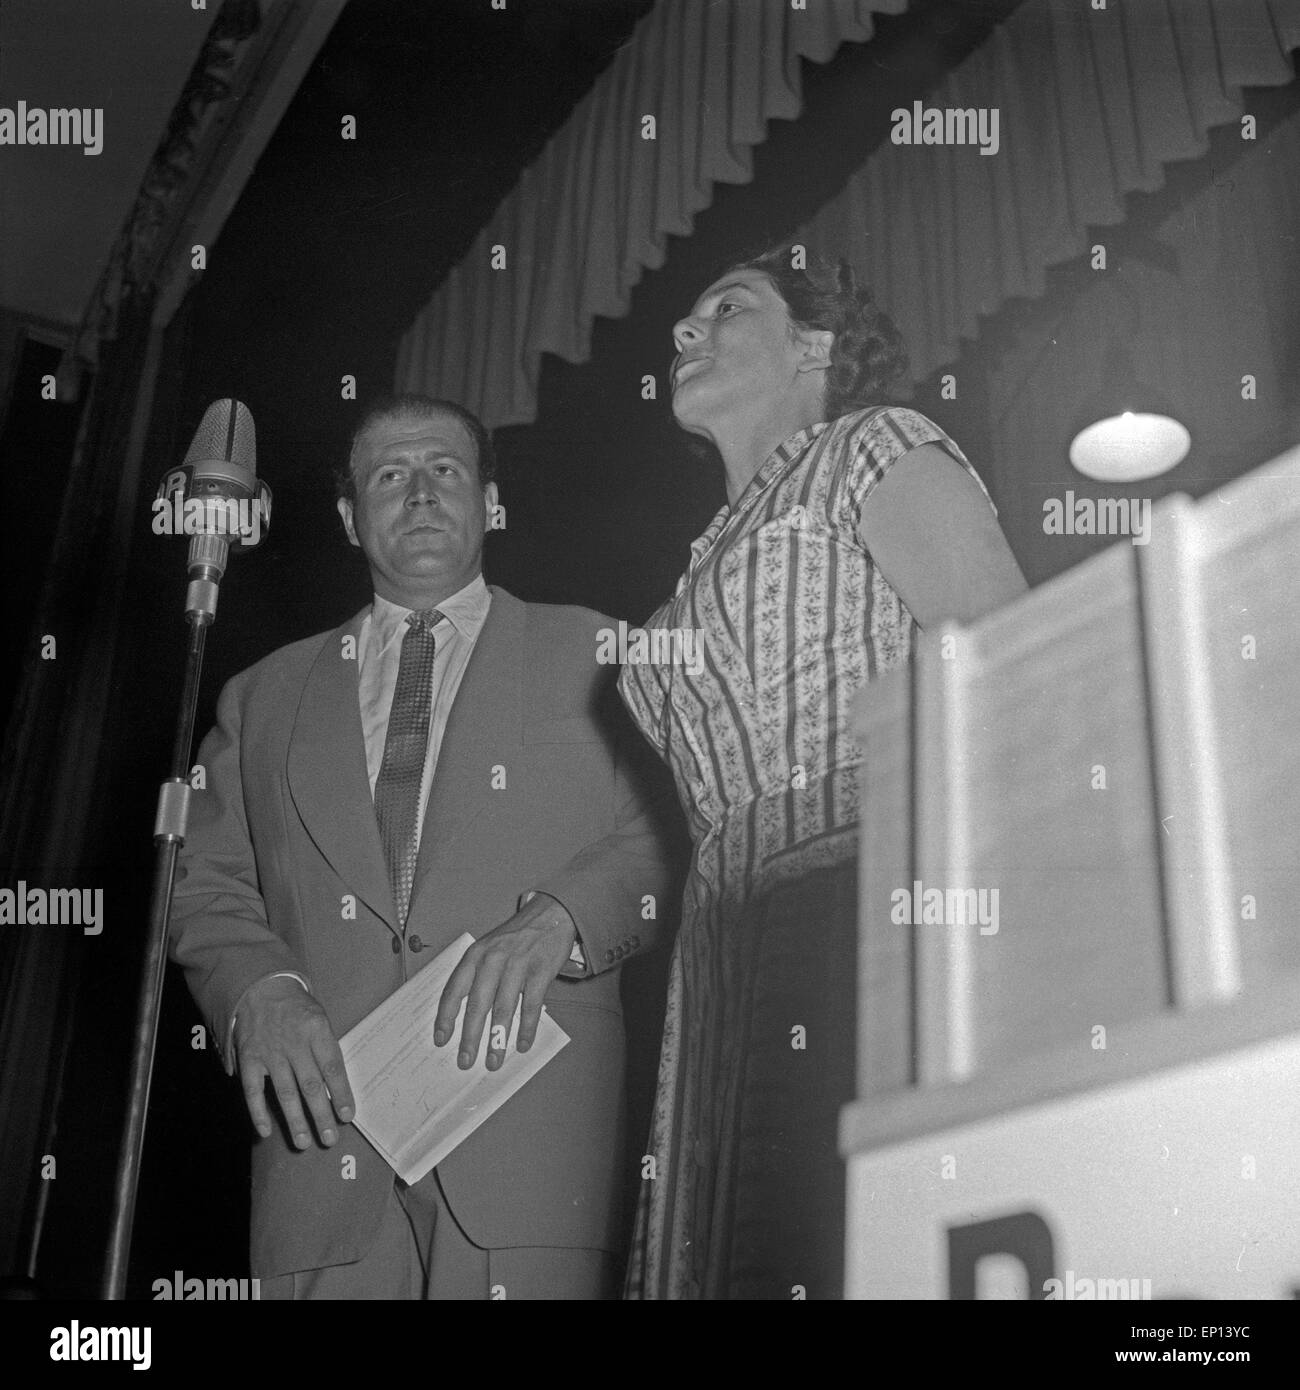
(1129, 445)
(1127, 431)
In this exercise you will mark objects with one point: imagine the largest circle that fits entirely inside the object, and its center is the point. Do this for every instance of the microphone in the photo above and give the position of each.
(215, 498)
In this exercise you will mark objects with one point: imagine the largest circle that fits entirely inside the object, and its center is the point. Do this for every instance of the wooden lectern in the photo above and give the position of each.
(1079, 950)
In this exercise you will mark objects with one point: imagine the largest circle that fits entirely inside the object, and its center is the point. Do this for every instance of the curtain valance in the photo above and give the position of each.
(1092, 105)
(596, 207)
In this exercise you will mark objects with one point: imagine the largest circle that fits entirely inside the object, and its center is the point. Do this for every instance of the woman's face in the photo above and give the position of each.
(736, 351)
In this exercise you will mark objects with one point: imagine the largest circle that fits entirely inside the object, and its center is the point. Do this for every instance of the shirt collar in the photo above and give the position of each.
(784, 452)
(778, 458)
(466, 610)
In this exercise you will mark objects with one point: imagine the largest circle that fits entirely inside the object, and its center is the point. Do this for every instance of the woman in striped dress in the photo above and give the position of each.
(847, 526)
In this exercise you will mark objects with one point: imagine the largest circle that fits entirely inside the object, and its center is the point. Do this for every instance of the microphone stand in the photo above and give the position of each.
(207, 565)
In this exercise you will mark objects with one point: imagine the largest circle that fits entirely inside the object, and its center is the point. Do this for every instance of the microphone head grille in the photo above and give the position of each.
(225, 432)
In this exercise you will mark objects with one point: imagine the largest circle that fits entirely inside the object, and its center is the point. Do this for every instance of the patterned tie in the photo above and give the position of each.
(397, 788)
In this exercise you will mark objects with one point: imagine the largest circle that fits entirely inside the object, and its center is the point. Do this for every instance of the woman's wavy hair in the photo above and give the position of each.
(868, 354)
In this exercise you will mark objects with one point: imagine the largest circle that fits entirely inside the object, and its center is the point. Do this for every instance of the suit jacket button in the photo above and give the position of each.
(397, 946)
(416, 944)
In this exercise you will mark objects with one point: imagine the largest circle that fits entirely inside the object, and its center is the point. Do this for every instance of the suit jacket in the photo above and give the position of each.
(284, 837)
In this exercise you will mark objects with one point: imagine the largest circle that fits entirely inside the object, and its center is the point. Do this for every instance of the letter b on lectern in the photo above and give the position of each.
(1023, 1235)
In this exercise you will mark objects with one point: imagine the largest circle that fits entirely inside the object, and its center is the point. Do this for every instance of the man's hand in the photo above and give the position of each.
(518, 959)
(282, 1032)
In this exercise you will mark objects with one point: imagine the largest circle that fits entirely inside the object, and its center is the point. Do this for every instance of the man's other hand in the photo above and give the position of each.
(282, 1032)
(518, 959)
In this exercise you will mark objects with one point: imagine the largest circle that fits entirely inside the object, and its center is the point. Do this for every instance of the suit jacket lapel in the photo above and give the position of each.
(483, 729)
(328, 779)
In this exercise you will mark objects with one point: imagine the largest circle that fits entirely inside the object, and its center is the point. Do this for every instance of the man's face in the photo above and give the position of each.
(735, 350)
(420, 511)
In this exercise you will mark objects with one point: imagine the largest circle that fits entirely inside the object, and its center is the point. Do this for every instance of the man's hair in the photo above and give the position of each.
(868, 354)
(412, 406)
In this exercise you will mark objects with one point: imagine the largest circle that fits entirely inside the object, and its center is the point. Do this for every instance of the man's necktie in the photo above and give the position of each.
(397, 788)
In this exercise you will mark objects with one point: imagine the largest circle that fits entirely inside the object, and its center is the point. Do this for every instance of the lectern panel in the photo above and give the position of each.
(1252, 597)
(1058, 763)
(1079, 952)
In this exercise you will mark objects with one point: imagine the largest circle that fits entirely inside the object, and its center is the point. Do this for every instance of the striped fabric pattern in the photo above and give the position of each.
(794, 619)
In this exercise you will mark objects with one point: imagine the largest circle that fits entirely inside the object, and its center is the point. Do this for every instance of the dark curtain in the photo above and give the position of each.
(49, 768)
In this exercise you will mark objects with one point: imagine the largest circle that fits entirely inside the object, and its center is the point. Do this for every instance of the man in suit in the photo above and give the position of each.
(449, 760)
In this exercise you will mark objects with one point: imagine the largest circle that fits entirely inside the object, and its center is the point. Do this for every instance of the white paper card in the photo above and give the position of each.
(413, 1102)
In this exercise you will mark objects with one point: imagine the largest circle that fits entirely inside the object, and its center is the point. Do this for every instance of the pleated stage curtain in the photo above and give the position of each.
(1093, 104)
(596, 207)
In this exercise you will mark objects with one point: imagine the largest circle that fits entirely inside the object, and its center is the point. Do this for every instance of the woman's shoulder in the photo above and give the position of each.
(869, 441)
(887, 431)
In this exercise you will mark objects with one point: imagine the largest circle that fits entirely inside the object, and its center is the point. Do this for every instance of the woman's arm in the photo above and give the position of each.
(931, 530)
